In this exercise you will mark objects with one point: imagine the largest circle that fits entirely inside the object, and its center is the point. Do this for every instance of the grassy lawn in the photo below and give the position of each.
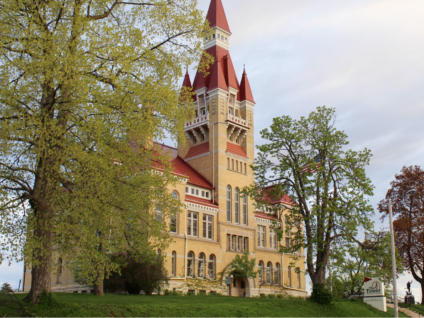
(83, 305)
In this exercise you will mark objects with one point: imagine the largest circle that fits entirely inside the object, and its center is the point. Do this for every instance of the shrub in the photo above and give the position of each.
(148, 274)
(6, 288)
(272, 296)
(321, 295)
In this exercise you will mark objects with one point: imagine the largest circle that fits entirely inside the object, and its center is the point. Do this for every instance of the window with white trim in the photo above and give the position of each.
(207, 226)
(237, 205)
(261, 236)
(192, 224)
(272, 239)
(245, 210)
(229, 204)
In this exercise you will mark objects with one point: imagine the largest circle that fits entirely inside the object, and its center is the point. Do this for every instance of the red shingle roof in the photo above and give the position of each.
(198, 150)
(236, 150)
(216, 16)
(273, 198)
(266, 216)
(184, 169)
(201, 201)
(245, 92)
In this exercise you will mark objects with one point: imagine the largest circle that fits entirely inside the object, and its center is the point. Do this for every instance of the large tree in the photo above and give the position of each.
(408, 206)
(85, 85)
(319, 182)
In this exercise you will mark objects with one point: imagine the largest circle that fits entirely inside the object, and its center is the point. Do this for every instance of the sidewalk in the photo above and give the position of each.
(407, 312)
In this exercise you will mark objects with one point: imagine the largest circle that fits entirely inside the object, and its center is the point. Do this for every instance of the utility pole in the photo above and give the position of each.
(392, 237)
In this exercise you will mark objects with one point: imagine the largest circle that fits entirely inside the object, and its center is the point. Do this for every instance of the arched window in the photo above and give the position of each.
(277, 274)
(245, 210)
(269, 273)
(201, 266)
(174, 215)
(237, 205)
(190, 264)
(211, 266)
(59, 271)
(261, 272)
(174, 263)
(229, 204)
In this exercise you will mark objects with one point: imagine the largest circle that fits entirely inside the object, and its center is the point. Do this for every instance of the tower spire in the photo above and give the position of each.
(216, 16)
(245, 92)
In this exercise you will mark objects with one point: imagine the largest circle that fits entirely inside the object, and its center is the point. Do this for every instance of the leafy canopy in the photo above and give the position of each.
(308, 172)
(85, 86)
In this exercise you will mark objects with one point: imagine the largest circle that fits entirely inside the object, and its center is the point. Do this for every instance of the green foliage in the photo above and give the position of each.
(48, 300)
(321, 295)
(6, 288)
(309, 161)
(242, 266)
(85, 87)
(135, 275)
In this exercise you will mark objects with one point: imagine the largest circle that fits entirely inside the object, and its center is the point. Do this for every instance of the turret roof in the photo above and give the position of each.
(245, 92)
(216, 16)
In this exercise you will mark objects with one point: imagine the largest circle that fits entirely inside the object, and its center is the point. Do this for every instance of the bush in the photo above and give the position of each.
(272, 296)
(321, 295)
(138, 275)
(6, 288)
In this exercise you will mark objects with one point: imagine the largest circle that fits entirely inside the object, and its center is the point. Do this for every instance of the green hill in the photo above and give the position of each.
(83, 305)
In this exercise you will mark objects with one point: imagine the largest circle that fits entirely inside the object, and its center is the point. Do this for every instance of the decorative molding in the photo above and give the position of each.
(197, 207)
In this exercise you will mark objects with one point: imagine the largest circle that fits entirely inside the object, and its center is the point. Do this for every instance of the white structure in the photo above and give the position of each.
(374, 294)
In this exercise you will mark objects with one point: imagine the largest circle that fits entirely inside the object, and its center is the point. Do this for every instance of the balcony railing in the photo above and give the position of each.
(237, 120)
(198, 121)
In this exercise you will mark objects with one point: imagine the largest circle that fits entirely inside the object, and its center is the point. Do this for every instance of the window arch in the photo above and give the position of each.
(261, 272)
(211, 266)
(269, 273)
(237, 205)
(174, 263)
(277, 274)
(175, 195)
(245, 209)
(229, 204)
(190, 264)
(201, 266)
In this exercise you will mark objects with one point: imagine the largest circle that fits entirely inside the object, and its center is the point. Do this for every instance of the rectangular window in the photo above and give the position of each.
(228, 242)
(272, 239)
(192, 191)
(173, 225)
(228, 160)
(233, 242)
(236, 112)
(232, 164)
(245, 210)
(203, 193)
(245, 169)
(246, 244)
(287, 241)
(261, 236)
(207, 195)
(208, 226)
(186, 189)
(159, 215)
(197, 192)
(192, 223)
(240, 244)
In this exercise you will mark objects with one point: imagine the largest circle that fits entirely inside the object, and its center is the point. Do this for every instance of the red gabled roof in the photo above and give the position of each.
(201, 201)
(266, 216)
(216, 16)
(198, 150)
(221, 72)
(184, 169)
(273, 198)
(236, 150)
(245, 92)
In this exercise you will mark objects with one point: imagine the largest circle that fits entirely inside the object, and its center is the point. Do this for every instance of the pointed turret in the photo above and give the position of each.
(245, 90)
(216, 16)
(187, 81)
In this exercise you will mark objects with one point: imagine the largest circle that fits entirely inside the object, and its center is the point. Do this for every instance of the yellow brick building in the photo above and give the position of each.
(217, 222)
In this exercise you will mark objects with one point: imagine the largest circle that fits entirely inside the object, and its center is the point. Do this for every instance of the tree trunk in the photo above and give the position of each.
(98, 288)
(41, 262)
(319, 277)
(422, 293)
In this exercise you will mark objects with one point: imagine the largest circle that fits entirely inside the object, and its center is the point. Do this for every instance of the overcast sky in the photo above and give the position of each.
(363, 57)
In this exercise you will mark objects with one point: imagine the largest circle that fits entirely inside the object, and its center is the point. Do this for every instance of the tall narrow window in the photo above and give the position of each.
(237, 165)
(237, 205)
(59, 271)
(269, 273)
(190, 264)
(174, 263)
(245, 210)
(228, 242)
(233, 243)
(272, 239)
(232, 164)
(246, 244)
(261, 273)
(201, 266)
(211, 267)
(228, 160)
(174, 213)
(192, 223)
(299, 283)
(229, 204)
(245, 169)
(290, 277)
(159, 215)
(208, 226)
(277, 274)
(240, 244)
(261, 236)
